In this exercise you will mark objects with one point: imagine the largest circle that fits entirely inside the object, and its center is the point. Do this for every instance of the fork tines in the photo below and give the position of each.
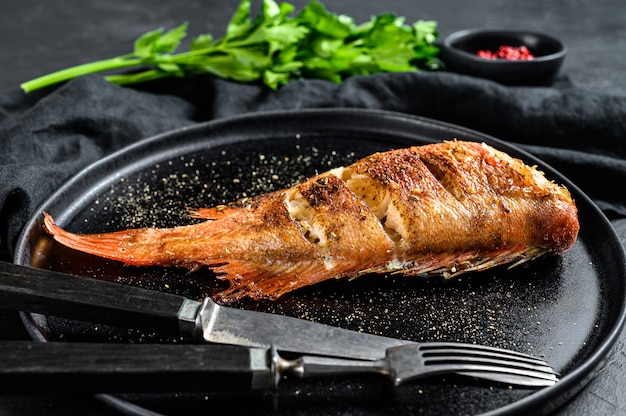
(496, 364)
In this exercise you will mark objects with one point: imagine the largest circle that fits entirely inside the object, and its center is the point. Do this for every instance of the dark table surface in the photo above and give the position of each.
(40, 37)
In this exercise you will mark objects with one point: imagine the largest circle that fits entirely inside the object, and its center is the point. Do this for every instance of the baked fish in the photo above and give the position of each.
(445, 208)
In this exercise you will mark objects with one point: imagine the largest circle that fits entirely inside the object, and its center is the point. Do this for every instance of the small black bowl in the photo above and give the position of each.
(459, 54)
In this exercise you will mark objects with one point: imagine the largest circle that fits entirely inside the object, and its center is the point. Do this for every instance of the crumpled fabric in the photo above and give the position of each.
(50, 135)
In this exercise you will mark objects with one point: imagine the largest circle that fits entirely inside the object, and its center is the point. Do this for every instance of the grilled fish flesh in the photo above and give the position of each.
(444, 208)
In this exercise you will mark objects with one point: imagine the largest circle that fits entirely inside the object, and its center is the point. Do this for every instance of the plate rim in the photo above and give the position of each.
(551, 397)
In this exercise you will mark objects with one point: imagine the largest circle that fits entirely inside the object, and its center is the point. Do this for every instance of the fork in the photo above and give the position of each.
(112, 367)
(413, 361)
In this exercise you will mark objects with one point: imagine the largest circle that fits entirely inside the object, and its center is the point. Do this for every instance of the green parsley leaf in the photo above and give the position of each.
(201, 42)
(240, 21)
(275, 48)
(156, 42)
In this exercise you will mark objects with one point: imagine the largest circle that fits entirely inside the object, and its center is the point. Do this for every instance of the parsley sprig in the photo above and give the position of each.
(274, 47)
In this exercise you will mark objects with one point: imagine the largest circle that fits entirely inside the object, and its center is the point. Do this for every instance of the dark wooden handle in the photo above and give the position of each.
(44, 291)
(115, 368)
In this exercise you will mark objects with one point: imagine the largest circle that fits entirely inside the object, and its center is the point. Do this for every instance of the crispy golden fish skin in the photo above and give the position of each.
(444, 208)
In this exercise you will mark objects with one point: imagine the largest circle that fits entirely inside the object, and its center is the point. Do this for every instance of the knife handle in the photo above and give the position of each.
(130, 368)
(63, 295)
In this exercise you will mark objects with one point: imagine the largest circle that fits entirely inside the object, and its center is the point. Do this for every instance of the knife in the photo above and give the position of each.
(63, 295)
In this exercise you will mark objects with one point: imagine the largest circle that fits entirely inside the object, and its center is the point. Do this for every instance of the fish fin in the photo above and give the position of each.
(112, 245)
(248, 280)
(140, 246)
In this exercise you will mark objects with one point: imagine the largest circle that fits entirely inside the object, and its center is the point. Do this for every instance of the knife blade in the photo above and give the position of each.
(67, 296)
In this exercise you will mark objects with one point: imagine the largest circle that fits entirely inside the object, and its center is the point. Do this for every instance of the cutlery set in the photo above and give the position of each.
(234, 349)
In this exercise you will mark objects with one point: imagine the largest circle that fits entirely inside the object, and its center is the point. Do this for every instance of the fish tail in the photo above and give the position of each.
(135, 247)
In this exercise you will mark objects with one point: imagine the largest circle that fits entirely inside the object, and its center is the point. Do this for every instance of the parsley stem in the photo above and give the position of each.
(148, 75)
(83, 69)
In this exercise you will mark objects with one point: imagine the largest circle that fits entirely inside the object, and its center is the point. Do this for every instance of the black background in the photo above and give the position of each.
(586, 104)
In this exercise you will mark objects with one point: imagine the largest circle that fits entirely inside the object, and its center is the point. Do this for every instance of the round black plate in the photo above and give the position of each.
(568, 309)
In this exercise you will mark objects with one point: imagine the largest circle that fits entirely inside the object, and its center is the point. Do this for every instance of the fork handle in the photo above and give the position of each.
(310, 366)
(131, 368)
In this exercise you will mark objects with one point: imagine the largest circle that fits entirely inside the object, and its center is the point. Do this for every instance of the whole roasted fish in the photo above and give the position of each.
(445, 208)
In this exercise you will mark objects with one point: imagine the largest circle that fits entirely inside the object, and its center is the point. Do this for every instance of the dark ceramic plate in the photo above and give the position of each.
(568, 309)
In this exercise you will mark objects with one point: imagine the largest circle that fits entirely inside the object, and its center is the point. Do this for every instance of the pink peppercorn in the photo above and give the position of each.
(507, 52)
